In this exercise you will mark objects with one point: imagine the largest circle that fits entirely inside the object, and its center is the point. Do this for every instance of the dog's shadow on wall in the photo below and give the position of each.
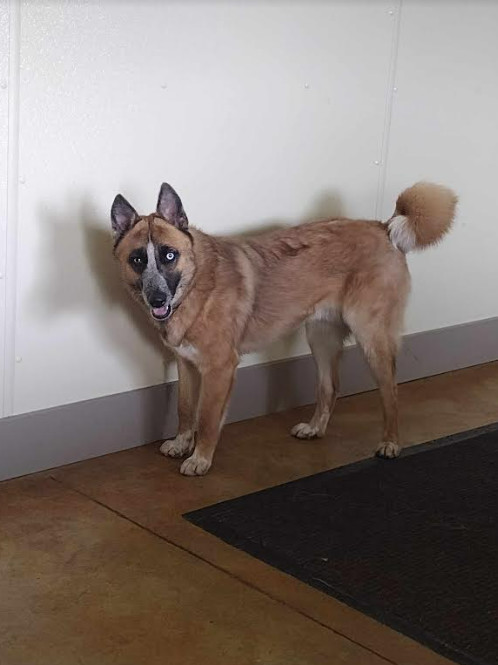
(327, 205)
(80, 276)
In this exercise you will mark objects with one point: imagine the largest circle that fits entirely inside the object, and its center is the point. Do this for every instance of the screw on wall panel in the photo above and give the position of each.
(22, 180)
(391, 12)
(18, 359)
(1, 275)
(306, 85)
(395, 89)
(3, 84)
(377, 162)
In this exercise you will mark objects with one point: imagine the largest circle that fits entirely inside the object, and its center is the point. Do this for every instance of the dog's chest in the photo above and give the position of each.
(188, 352)
(183, 350)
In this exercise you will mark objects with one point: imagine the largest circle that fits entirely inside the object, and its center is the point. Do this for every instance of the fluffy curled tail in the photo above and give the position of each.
(424, 214)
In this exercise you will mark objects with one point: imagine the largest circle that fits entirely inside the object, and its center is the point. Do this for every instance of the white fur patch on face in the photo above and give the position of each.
(400, 233)
(151, 254)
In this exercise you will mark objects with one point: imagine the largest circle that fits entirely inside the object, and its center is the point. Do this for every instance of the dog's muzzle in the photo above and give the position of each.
(161, 313)
(160, 310)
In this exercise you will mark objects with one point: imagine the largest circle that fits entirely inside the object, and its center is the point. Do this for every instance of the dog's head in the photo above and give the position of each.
(155, 252)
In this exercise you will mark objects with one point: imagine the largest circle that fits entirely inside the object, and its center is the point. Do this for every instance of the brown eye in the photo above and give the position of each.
(138, 260)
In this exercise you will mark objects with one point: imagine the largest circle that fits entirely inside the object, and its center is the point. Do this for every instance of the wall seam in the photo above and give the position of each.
(12, 207)
(395, 13)
(4, 108)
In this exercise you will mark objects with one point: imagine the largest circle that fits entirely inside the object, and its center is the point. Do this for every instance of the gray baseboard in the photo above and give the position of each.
(52, 437)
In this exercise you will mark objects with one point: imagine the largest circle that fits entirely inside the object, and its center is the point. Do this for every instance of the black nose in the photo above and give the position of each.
(157, 300)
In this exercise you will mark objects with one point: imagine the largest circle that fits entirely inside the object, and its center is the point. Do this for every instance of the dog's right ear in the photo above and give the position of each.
(123, 217)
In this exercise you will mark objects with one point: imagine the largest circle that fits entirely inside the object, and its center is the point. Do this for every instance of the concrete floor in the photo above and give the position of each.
(98, 567)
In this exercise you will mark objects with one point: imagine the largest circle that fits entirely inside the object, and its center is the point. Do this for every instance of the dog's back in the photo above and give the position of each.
(341, 264)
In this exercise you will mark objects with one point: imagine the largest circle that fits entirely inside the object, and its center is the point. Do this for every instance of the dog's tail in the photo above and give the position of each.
(424, 214)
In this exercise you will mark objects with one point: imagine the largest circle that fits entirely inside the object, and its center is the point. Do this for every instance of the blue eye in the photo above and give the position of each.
(167, 255)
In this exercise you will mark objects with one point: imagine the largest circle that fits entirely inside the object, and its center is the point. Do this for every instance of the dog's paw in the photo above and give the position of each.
(180, 446)
(195, 465)
(306, 431)
(388, 450)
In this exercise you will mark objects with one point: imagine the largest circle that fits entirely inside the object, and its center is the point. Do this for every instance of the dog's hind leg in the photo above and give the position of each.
(379, 342)
(326, 333)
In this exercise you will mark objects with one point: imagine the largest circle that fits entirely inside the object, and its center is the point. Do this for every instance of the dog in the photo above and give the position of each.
(214, 298)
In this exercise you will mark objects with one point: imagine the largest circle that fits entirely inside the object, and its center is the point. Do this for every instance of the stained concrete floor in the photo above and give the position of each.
(98, 567)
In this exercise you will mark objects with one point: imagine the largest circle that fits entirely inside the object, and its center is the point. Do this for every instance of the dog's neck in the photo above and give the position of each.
(175, 331)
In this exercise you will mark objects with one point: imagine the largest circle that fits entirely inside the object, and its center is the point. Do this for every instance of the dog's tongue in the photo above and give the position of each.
(160, 311)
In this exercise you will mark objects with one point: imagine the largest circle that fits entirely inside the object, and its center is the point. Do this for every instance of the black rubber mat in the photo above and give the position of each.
(412, 542)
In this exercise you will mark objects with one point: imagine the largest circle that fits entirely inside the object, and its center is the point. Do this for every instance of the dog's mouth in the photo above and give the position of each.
(161, 313)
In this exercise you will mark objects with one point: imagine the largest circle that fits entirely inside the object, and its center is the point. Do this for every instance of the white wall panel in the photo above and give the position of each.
(258, 113)
(444, 128)
(4, 148)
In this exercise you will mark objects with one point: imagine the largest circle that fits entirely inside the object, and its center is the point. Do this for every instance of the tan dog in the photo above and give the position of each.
(215, 298)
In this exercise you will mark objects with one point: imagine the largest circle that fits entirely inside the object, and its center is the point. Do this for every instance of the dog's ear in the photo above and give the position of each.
(123, 216)
(170, 207)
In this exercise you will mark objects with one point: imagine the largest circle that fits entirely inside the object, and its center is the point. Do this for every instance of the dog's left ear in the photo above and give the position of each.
(123, 216)
(169, 206)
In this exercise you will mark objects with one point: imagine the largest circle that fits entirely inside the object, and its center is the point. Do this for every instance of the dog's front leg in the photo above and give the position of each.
(216, 386)
(188, 399)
